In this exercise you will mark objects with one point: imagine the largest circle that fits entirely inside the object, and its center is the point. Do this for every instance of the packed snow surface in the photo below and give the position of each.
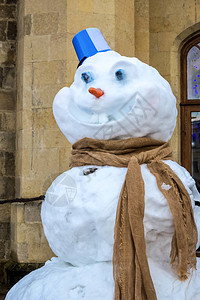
(80, 227)
(137, 103)
(79, 210)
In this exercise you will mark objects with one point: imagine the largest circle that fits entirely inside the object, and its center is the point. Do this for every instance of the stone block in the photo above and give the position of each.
(12, 30)
(47, 73)
(46, 23)
(32, 212)
(7, 121)
(40, 252)
(160, 24)
(77, 22)
(11, 54)
(71, 69)
(62, 24)
(161, 8)
(48, 181)
(2, 250)
(2, 162)
(141, 41)
(4, 231)
(43, 118)
(27, 24)
(29, 233)
(18, 141)
(1, 77)
(153, 42)
(30, 186)
(13, 214)
(5, 213)
(9, 78)
(7, 100)
(17, 213)
(104, 7)
(20, 212)
(8, 11)
(46, 6)
(86, 5)
(7, 250)
(7, 187)
(124, 12)
(11, 1)
(174, 63)
(125, 44)
(165, 40)
(32, 141)
(21, 252)
(64, 155)
(26, 140)
(141, 8)
(7, 141)
(40, 48)
(3, 27)
(197, 10)
(142, 24)
(45, 162)
(1, 121)
(43, 96)
(143, 56)
(28, 81)
(7, 53)
(58, 47)
(54, 138)
(27, 120)
(17, 180)
(10, 164)
(110, 41)
(26, 161)
(72, 6)
(160, 61)
(28, 49)
(175, 85)
(19, 120)
(10, 187)
(36, 48)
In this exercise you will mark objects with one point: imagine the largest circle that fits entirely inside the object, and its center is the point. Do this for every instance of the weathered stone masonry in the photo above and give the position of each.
(8, 33)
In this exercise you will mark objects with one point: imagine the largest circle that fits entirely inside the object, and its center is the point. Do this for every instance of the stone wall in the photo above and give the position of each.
(28, 242)
(46, 63)
(8, 32)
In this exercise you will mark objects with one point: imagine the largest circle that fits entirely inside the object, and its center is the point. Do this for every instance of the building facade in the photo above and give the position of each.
(41, 60)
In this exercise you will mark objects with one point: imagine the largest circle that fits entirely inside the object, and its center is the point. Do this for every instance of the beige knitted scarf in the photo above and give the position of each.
(130, 265)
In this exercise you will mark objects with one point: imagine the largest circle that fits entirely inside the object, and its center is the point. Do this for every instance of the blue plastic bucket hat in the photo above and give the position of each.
(88, 42)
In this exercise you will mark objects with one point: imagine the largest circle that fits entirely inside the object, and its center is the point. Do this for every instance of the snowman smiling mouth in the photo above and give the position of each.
(108, 115)
(101, 117)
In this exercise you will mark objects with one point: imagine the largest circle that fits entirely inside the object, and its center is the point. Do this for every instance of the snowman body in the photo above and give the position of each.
(80, 231)
(79, 210)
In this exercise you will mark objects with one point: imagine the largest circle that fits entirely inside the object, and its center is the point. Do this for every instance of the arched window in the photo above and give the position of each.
(190, 107)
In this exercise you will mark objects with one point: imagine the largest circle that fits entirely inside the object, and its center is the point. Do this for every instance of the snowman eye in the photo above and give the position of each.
(120, 74)
(87, 77)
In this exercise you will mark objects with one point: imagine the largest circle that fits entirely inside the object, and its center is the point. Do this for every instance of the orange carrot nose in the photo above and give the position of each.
(96, 92)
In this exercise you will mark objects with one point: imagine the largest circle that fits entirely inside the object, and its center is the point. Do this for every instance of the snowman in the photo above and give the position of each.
(122, 221)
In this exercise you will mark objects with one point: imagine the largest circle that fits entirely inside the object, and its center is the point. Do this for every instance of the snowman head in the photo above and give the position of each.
(116, 97)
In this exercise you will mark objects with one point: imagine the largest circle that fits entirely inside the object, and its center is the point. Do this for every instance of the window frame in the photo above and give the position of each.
(184, 52)
(187, 106)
